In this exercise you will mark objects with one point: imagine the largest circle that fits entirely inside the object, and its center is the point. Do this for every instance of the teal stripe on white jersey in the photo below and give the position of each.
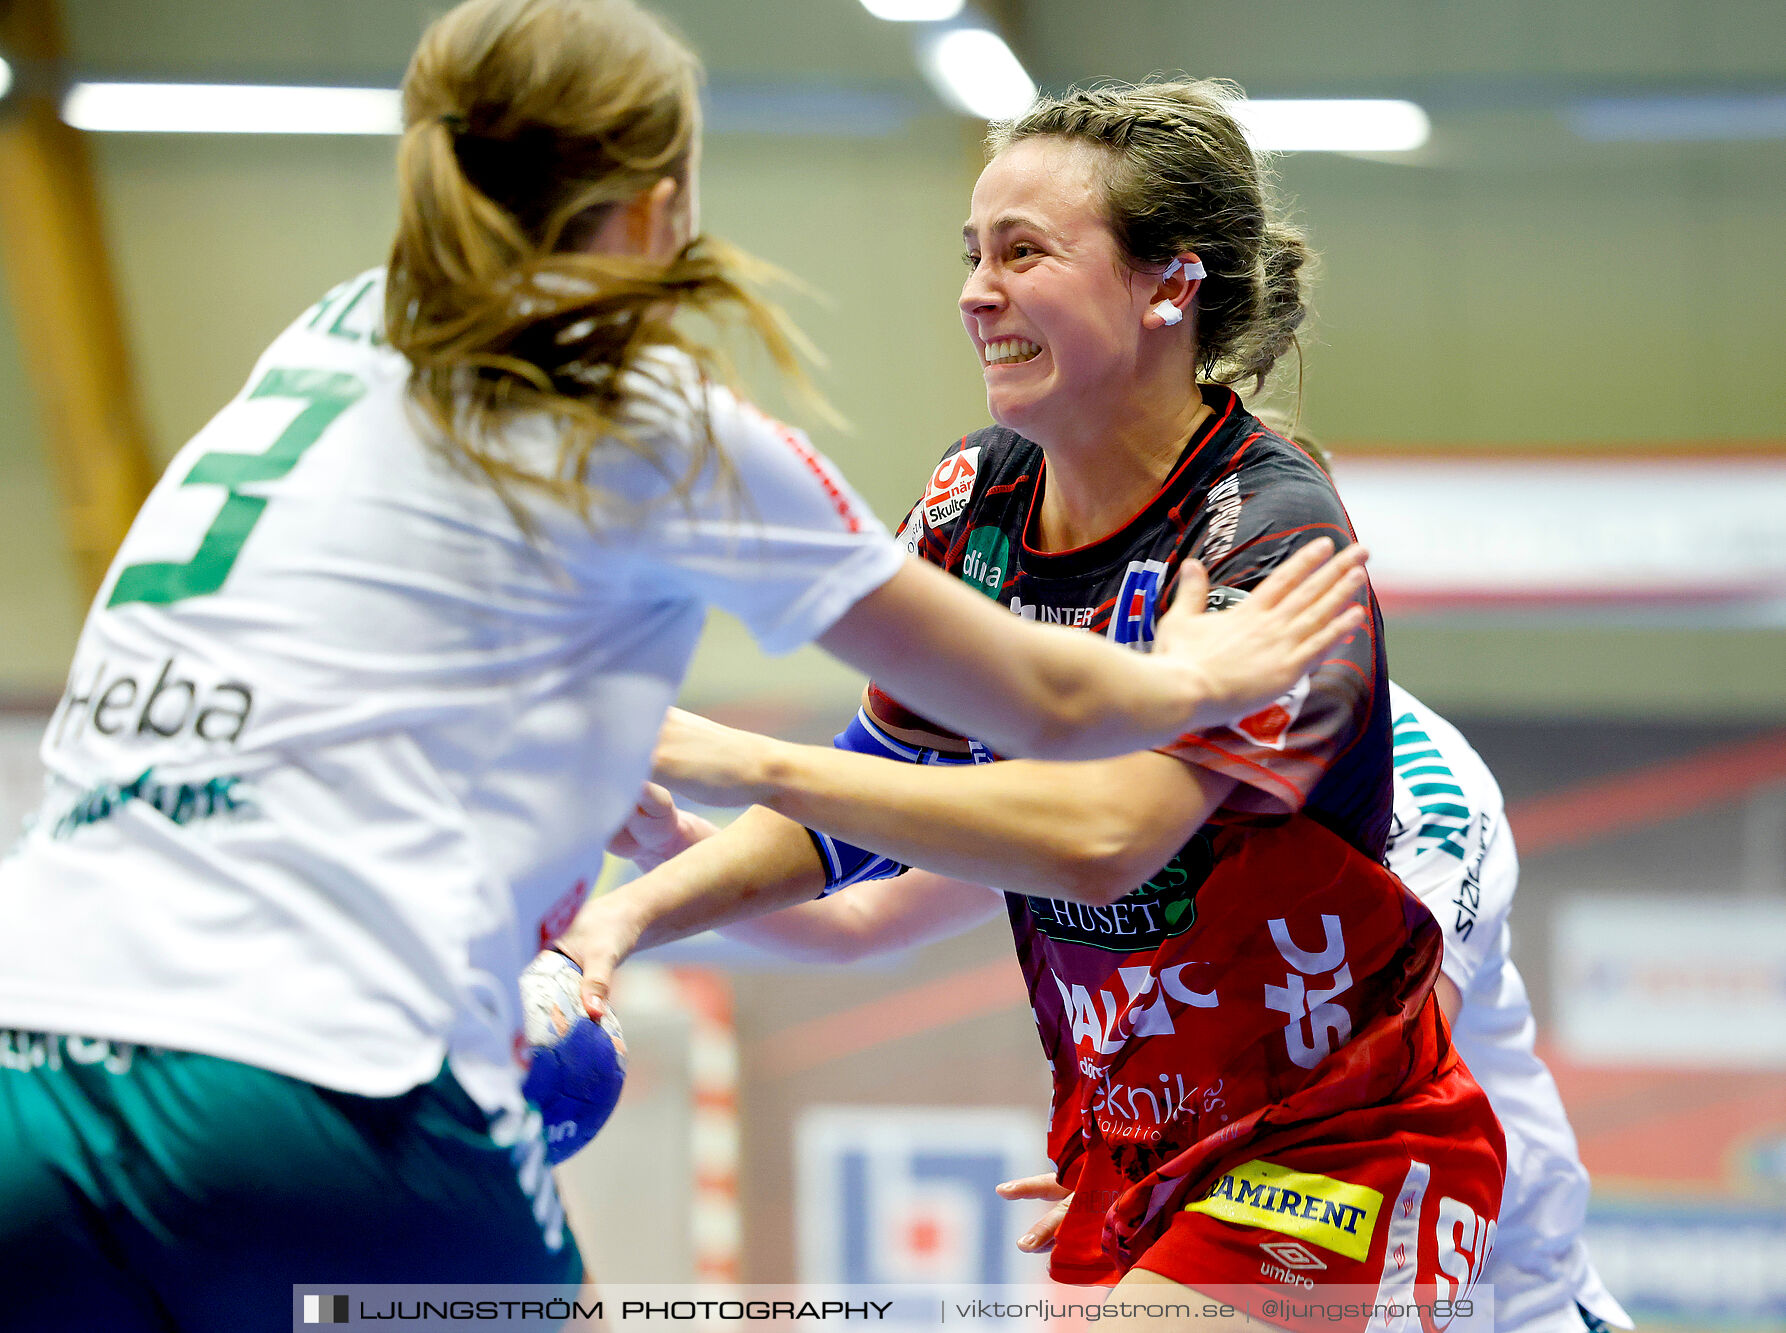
(1450, 844)
(1421, 771)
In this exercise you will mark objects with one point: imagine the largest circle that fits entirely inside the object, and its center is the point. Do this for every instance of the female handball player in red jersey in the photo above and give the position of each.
(1252, 1079)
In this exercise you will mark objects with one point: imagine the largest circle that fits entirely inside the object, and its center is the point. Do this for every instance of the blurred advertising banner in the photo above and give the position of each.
(1684, 982)
(1697, 1264)
(1670, 1020)
(904, 1194)
(1687, 540)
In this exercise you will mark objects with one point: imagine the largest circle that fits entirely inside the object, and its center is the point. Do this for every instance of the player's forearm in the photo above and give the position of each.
(759, 863)
(827, 931)
(1027, 827)
(873, 918)
(1023, 689)
(949, 655)
(1072, 699)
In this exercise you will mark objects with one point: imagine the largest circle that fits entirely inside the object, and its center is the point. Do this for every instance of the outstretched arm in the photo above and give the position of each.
(1056, 693)
(881, 916)
(1090, 832)
(758, 863)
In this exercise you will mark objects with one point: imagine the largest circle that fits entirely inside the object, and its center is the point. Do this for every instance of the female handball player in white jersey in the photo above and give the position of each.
(377, 672)
(1251, 1075)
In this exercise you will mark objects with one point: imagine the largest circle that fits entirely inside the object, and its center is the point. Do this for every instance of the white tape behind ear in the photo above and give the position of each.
(1193, 270)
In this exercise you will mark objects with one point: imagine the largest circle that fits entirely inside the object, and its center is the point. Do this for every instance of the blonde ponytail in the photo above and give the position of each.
(526, 123)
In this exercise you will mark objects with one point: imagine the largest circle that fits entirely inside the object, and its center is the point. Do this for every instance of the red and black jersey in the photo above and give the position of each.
(1241, 500)
(1283, 1001)
(1274, 974)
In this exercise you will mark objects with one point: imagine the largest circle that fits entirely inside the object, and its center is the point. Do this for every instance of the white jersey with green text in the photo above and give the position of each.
(342, 743)
(1449, 843)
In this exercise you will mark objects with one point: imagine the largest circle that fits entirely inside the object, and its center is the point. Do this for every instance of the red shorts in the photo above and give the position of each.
(1405, 1214)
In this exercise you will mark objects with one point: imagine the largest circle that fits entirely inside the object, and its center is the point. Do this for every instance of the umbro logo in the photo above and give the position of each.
(1291, 1255)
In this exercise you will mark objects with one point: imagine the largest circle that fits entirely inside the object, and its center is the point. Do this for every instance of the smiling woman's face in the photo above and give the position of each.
(1052, 308)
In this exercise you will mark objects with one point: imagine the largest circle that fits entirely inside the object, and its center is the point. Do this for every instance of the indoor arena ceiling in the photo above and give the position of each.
(1453, 54)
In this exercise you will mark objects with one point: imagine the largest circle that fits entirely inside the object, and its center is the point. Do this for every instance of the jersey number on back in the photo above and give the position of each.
(326, 395)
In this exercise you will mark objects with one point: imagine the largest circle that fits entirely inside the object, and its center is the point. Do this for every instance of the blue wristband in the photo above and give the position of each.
(846, 864)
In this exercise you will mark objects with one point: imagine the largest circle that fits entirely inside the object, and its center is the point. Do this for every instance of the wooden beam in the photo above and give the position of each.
(66, 311)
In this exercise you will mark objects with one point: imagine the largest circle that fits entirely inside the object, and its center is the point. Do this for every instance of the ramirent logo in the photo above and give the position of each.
(1334, 1214)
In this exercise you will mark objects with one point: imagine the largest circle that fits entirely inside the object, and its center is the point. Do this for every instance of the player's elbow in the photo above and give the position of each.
(1058, 721)
(1103, 882)
(1106, 863)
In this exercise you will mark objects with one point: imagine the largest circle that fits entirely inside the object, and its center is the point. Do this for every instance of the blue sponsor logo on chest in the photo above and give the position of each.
(1137, 603)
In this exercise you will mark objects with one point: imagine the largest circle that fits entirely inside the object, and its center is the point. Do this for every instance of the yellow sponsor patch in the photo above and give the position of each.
(1328, 1212)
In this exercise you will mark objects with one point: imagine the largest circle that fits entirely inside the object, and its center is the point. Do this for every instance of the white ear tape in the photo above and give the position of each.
(1169, 313)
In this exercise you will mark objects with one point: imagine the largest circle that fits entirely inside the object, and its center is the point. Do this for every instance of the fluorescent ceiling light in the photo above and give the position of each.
(974, 72)
(914, 11)
(211, 108)
(5, 78)
(1333, 125)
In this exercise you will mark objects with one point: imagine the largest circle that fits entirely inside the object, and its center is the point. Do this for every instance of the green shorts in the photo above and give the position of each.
(143, 1189)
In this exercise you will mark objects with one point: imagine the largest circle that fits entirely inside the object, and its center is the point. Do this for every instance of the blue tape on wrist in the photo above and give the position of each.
(846, 864)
